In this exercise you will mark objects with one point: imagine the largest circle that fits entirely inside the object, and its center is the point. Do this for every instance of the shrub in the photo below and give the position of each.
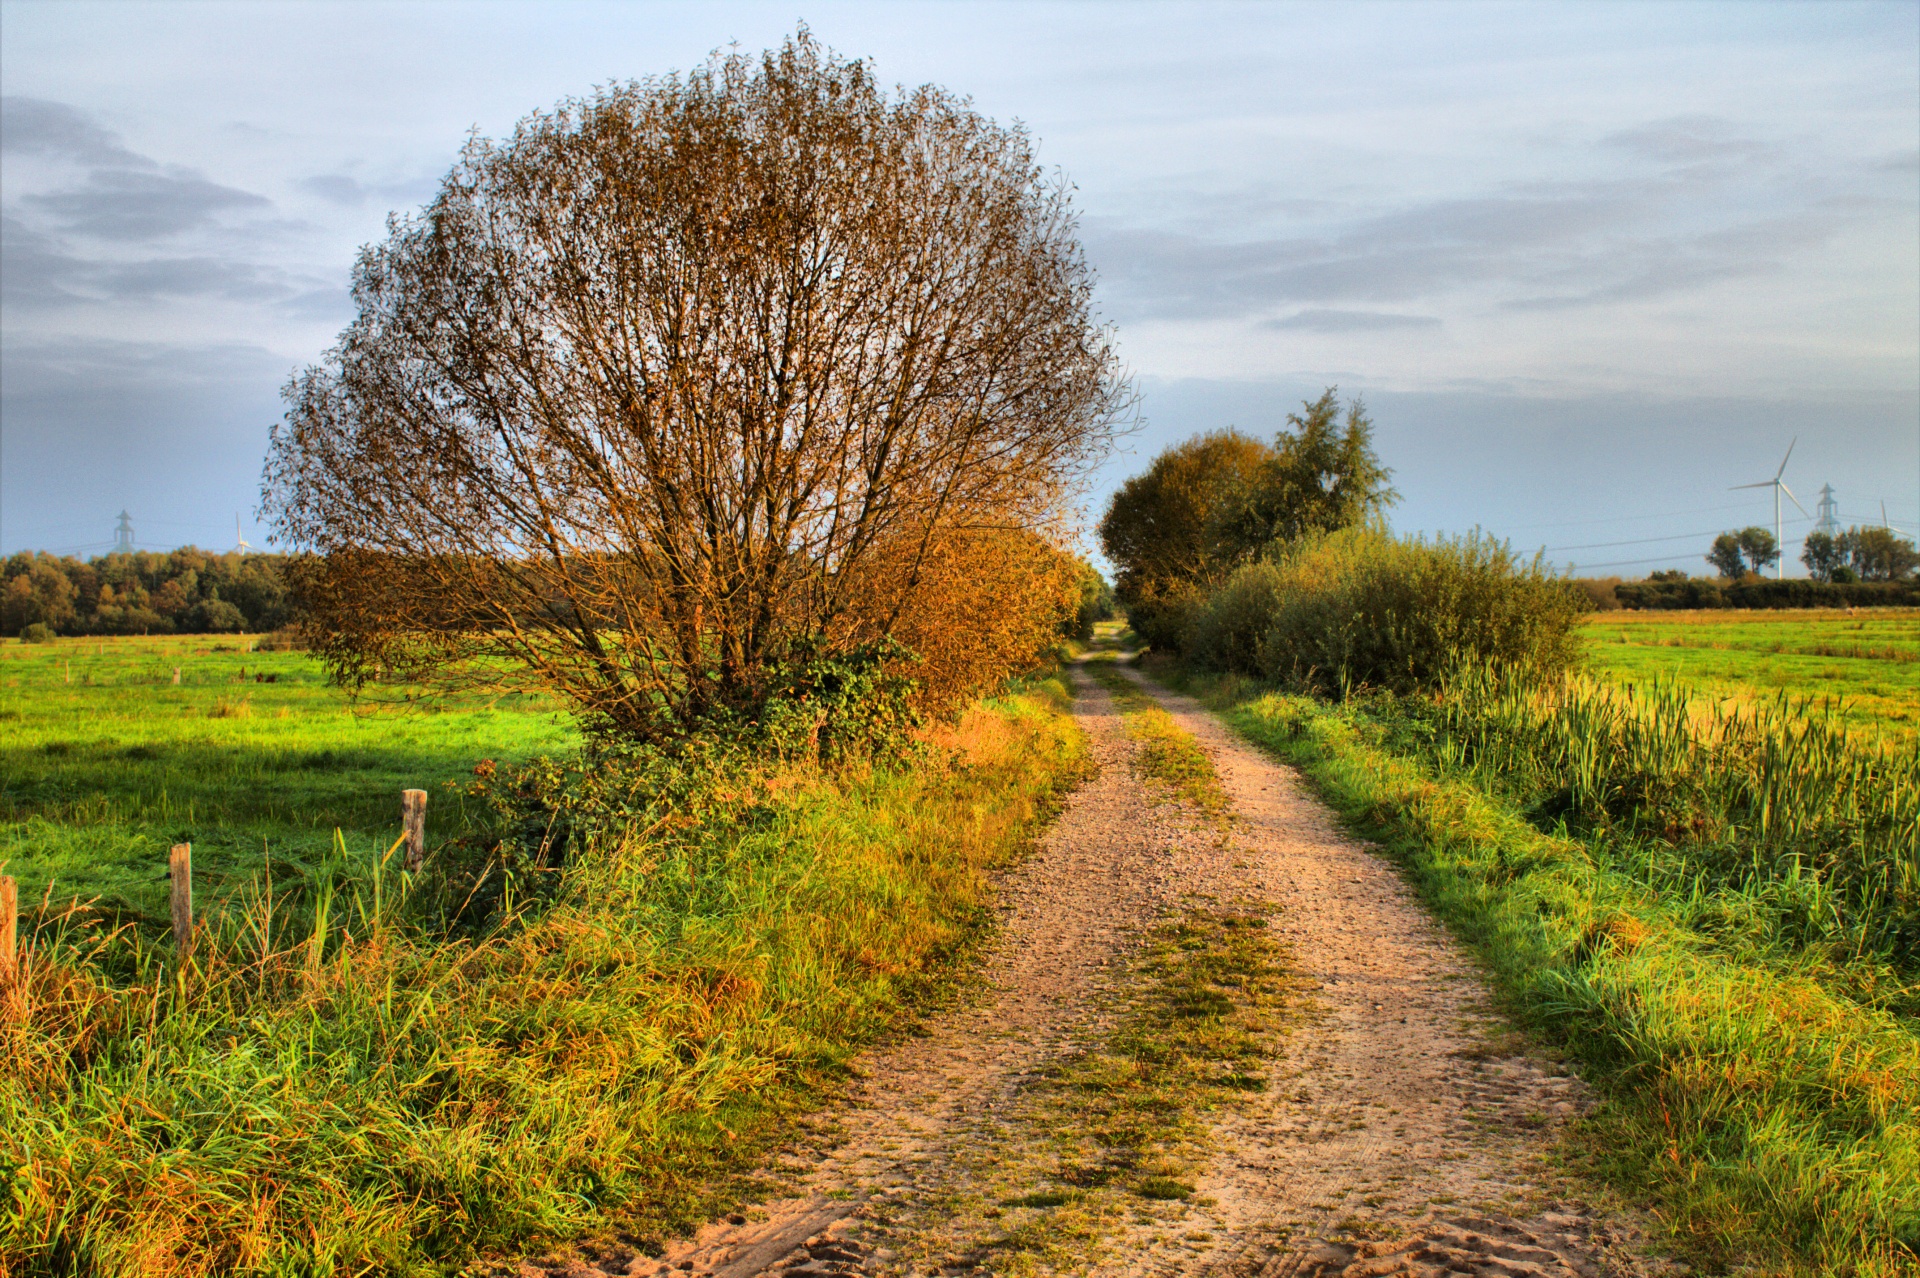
(1676, 590)
(1160, 614)
(1230, 630)
(38, 632)
(1360, 607)
(1599, 592)
(1822, 594)
(1671, 590)
(216, 616)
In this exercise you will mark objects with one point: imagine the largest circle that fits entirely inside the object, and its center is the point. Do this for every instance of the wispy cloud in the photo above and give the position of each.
(1332, 321)
(127, 229)
(1670, 206)
(135, 204)
(336, 188)
(35, 126)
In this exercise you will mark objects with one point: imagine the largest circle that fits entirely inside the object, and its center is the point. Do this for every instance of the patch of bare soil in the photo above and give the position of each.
(1403, 1132)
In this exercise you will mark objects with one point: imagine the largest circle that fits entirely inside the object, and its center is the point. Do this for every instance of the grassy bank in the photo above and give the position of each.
(342, 1089)
(1750, 1019)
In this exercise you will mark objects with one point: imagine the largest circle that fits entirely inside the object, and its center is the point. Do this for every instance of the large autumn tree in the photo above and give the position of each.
(696, 377)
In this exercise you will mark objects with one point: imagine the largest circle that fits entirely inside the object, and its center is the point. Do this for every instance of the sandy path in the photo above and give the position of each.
(1392, 1116)
(1402, 1115)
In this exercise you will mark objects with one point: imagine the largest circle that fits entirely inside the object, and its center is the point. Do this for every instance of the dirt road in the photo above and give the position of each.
(1401, 1131)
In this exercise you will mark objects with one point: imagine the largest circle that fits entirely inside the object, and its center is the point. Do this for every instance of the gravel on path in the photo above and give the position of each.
(1404, 1130)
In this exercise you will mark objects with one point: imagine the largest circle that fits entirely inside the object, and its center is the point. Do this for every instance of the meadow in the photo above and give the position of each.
(334, 1079)
(252, 757)
(1867, 660)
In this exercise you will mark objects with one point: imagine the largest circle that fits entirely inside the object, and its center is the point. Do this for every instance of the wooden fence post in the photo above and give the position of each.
(413, 819)
(180, 870)
(176, 676)
(9, 930)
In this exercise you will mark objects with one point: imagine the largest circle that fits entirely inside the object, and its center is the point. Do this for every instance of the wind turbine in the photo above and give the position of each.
(1780, 564)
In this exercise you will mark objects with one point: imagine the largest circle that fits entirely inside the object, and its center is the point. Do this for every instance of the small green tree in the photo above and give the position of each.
(1876, 554)
(1323, 476)
(1726, 557)
(1751, 549)
(37, 591)
(1096, 602)
(1760, 547)
(1822, 554)
(1157, 527)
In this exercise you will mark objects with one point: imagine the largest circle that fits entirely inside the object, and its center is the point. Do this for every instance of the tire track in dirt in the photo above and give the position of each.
(1407, 1131)
(1398, 1136)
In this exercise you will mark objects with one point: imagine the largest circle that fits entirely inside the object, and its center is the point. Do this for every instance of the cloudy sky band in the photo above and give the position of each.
(1580, 258)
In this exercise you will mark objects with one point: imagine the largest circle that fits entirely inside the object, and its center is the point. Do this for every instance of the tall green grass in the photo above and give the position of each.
(1815, 828)
(1710, 911)
(337, 1085)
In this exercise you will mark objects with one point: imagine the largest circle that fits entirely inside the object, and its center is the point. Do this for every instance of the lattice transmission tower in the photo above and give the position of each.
(1829, 521)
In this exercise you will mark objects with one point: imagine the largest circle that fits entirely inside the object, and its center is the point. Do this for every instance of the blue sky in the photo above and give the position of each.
(1590, 264)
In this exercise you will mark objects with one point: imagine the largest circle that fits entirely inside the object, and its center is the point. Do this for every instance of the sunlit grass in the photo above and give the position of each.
(253, 758)
(1868, 659)
(1168, 755)
(332, 1085)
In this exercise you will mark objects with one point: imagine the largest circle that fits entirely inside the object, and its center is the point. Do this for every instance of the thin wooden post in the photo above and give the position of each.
(176, 676)
(413, 819)
(9, 930)
(180, 870)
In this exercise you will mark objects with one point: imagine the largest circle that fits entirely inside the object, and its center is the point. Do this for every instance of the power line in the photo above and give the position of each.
(1636, 519)
(1643, 541)
(1627, 563)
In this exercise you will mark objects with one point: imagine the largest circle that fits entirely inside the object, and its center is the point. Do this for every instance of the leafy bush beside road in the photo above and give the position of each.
(1359, 607)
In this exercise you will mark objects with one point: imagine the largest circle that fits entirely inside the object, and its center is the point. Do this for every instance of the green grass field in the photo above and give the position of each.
(104, 762)
(1868, 660)
(332, 1081)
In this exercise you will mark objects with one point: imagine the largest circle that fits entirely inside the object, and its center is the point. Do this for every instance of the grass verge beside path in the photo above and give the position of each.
(364, 1096)
(1766, 1117)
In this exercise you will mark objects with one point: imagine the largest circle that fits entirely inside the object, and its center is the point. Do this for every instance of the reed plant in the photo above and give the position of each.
(1776, 801)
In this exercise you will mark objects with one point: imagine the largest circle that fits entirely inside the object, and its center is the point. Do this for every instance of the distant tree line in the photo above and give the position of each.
(186, 591)
(1858, 554)
(1675, 589)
